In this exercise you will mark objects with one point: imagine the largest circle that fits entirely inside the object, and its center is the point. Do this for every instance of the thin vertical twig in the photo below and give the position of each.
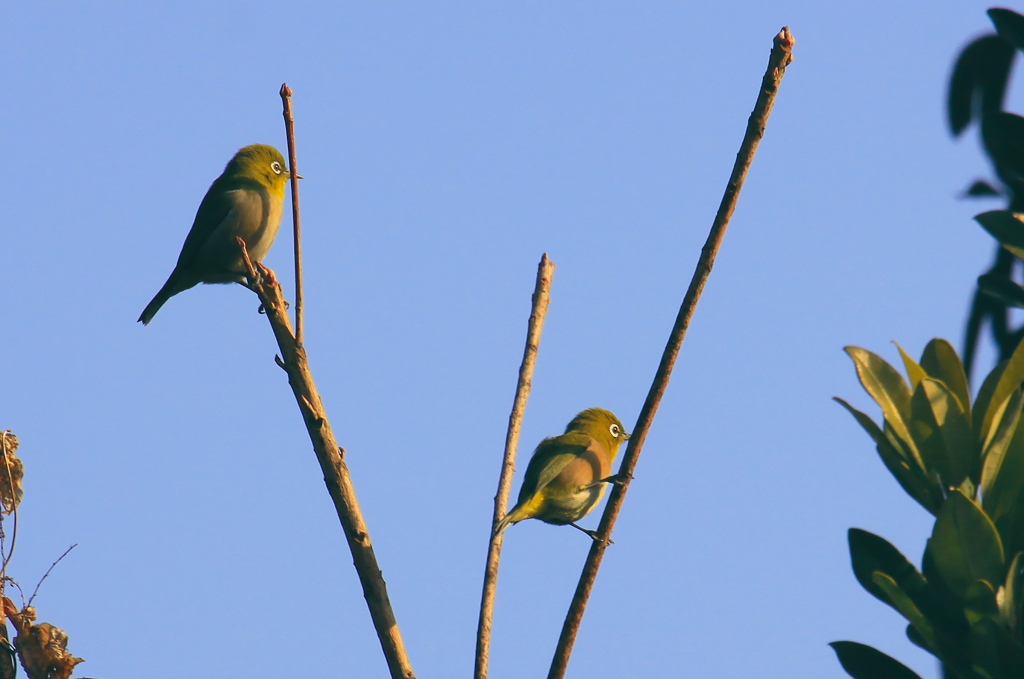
(541, 299)
(332, 462)
(781, 56)
(289, 129)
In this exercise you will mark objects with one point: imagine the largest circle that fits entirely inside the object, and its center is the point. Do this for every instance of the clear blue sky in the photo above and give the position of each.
(445, 147)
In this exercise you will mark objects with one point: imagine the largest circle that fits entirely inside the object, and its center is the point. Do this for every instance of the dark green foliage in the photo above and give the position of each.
(981, 189)
(1009, 25)
(1006, 227)
(1002, 289)
(964, 462)
(864, 662)
(977, 90)
(978, 84)
(1003, 136)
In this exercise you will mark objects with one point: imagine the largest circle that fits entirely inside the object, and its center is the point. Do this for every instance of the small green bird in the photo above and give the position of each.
(567, 474)
(245, 201)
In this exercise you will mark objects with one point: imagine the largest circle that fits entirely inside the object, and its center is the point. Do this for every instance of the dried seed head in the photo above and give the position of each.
(11, 472)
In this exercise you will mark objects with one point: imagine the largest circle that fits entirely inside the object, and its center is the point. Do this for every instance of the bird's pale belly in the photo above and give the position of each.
(569, 508)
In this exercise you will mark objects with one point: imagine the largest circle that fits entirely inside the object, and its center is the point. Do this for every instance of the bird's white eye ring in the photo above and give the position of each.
(276, 167)
(614, 429)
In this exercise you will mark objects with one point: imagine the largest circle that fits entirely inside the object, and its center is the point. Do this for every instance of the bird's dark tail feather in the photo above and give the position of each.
(170, 289)
(507, 520)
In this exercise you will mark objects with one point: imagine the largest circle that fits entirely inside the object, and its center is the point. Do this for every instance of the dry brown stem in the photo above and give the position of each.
(336, 475)
(12, 471)
(42, 648)
(541, 299)
(781, 56)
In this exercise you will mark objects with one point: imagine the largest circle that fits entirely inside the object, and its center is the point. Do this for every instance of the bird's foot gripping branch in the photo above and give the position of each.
(260, 277)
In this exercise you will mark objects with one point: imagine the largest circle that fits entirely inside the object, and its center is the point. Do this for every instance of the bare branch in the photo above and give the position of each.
(332, 463)
(289, 128)
(545, 272)
(47, 573)
(781, 56)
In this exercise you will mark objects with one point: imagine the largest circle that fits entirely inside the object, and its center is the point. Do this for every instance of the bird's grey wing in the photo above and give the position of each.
(219, 256)
(551, 458)
(215, 207)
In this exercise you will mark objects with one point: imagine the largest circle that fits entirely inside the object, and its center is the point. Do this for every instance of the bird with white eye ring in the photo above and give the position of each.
(245, 201)
(568, 474)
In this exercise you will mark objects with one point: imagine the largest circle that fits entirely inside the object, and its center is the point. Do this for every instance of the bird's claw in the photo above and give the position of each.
(592, 533)
(620, 479)
(266, 274)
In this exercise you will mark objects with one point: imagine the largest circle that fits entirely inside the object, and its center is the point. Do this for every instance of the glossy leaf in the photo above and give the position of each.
(1006, 479)
(979, 77)
(1002, 135)
(943, 433)
(1009, 25)
(981, 652)
(908, 473)
(870, 554)
(980, 188)
(1010, 379)
(968, 488)
(941, 362)
(1002, 288)
(915, 373)
(916, 638)
(999, 653)
(998, 445)
(864, 662)
(1009, 597)
(965, 546)
(884, 384)
(1011, 530)
(980, 601)
(984, 399)
(1006, 227)
(910, 611)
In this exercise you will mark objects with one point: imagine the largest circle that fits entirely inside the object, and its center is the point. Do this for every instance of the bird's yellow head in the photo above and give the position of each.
(260, 163)
(602, 426)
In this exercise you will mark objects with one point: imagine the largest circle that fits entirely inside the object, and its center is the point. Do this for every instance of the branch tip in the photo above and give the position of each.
(540, 302)
(781, 56)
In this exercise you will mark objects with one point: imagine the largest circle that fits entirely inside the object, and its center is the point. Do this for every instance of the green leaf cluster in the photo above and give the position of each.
(963, 461)
(1008, 228)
